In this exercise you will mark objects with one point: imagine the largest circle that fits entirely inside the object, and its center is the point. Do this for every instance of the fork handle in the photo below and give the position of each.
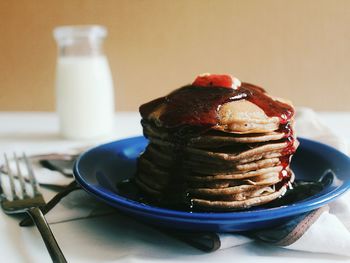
(46, 234)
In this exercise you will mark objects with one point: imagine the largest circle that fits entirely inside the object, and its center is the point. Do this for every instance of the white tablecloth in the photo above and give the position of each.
(128, 240)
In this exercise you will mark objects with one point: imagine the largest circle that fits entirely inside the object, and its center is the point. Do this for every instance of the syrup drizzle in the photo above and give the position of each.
(198, 106)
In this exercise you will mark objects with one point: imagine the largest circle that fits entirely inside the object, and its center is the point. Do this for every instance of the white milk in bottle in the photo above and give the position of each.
(84, 86)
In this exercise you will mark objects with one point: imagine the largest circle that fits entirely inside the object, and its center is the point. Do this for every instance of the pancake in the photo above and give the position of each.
(238, 175)
(244, 187)
(153, 181)
(220, 168)
(244, 117)
(161, 178)
(260, 197)
(266, 179)
(232, 155)
(241, 117)
(231, 168)
(214, 139)
(148, 166)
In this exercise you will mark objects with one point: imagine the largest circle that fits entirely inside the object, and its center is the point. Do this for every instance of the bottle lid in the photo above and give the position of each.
(79, 31)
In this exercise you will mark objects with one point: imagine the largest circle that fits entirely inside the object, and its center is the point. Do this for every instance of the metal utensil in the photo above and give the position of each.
(26, 202)
(64, 166)
(53, 202)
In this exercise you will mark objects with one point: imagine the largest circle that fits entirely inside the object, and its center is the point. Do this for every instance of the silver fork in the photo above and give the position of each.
(24, 202)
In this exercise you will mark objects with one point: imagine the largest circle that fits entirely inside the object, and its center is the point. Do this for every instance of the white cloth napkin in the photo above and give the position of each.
(329, 234)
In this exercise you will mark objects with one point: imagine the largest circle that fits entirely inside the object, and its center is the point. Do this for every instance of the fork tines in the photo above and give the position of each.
(22, 193)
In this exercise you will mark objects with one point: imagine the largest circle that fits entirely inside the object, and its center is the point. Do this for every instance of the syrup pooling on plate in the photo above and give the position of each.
(300, 190)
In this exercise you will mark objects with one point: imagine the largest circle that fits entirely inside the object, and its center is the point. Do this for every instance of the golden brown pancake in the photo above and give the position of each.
(214, 139)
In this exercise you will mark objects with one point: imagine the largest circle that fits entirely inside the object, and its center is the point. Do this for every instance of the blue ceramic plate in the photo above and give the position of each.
(99, 169)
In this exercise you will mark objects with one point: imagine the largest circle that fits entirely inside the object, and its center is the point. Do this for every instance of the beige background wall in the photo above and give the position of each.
(295, 49)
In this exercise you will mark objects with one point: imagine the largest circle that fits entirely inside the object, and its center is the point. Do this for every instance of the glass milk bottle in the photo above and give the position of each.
(84, 86)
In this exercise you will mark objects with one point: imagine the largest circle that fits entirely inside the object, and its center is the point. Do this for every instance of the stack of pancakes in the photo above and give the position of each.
(240, 162)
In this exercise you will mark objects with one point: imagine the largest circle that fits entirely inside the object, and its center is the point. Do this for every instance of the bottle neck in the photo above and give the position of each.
(82, 46)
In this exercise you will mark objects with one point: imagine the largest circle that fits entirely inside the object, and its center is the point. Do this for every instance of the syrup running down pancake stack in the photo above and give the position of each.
(217, 144)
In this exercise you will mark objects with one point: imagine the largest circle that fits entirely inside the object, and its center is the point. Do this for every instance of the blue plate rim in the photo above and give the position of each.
(251, 215)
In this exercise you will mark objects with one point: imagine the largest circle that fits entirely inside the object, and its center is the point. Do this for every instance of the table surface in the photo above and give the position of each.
(127, 240)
